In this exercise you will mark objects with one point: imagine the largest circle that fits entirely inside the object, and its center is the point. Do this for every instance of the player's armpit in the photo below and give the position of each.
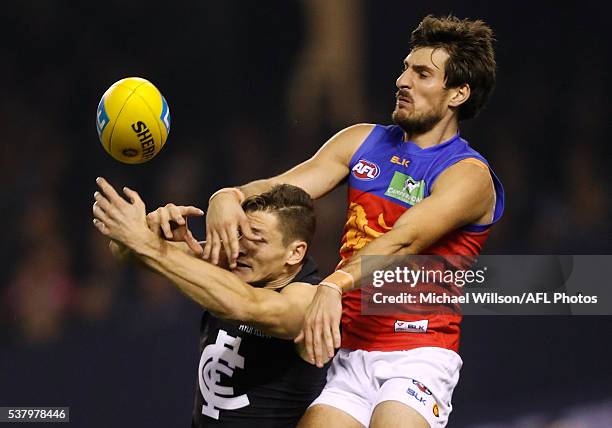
(329, 166)
(281, 314)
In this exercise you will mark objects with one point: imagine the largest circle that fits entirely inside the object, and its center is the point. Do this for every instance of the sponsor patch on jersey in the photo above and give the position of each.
(365, 170)
(411, 326)
(406, 189)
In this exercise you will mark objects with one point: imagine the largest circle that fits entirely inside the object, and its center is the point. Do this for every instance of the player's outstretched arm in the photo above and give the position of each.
(220, 291)
(227, 296)
(317, 176)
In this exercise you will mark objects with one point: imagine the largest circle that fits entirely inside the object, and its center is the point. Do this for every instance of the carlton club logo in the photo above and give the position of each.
(220, 358)
(365, 170)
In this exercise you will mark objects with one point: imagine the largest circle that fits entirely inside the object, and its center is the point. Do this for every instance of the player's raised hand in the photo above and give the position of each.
(170, 222)
(321, 330)
(119, 219)
(225, 223)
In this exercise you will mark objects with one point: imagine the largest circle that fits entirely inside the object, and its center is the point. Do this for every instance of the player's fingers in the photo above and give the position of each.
(337, 338)
(133, 196)
(175, 214)
(193, 244)
(164, 222)
(102, 201)
(308, 343)
(99, 213)
(245, 228)
(153, 221)
(226, 247)
(215, 248)
(317, 342)
(109, 191)
(191, 211)
(207, 244)
(328, 340)
(232, 249)
(100, 226)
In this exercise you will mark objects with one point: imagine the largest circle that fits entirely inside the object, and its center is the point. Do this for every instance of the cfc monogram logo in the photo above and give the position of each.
(220, 358)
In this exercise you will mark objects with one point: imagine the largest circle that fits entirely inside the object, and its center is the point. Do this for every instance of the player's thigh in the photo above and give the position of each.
(324, 416)
(393, 414)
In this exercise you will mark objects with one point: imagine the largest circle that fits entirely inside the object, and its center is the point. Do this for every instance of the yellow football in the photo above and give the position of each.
(133, 120)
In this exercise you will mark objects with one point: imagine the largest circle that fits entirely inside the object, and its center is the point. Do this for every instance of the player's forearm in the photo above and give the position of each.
(213, 288)
(400, 241)
(258, 187)
(126, 255)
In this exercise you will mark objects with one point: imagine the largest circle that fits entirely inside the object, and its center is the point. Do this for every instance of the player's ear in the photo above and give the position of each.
(459, 95)
(296, 251)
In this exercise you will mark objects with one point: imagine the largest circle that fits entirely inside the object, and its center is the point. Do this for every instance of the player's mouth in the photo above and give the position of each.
(240, 264)
(403, 98)
(404, 102)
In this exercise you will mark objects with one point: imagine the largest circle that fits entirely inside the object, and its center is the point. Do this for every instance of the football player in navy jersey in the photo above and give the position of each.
(250, 372)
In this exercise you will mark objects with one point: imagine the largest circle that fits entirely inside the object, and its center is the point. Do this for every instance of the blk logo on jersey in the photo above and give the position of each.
(365, 170)
(220, 358)
(398, 161)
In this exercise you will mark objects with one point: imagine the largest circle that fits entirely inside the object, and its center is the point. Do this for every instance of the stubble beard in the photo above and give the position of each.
(416, 124)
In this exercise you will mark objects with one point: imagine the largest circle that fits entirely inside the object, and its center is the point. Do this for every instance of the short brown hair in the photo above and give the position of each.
(293, 208)
(469, 45)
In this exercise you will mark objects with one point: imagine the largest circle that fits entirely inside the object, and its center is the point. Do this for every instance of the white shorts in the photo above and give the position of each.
(422, 378)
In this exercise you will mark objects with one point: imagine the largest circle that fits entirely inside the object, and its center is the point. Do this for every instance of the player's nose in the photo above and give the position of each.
(404, 80)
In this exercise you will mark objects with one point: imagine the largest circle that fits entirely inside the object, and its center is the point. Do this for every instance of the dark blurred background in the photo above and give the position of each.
(255, 87)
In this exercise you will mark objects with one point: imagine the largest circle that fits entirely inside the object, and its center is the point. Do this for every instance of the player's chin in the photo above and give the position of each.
(399, 114)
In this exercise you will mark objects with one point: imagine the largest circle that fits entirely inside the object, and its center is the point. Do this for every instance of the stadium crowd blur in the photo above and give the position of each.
(254, 88)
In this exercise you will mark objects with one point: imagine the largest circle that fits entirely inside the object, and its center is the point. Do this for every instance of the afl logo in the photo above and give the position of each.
(365, 170)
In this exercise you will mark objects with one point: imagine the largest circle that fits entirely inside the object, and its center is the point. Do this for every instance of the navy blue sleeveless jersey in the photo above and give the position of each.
(249, 379)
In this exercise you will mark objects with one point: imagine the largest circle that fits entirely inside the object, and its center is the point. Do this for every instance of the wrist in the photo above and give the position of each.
(341, 279)
(331, 286)
(148, 245)
(238, 194)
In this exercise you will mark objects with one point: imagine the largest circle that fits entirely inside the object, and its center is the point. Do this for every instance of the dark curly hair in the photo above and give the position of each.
(469, 45)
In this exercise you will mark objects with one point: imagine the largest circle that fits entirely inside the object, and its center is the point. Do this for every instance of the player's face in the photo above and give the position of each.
(422, 99)
(262, 262)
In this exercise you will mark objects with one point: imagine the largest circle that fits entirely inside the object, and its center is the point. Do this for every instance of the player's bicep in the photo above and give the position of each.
(330, 165)
(282, 314)
(461, 195)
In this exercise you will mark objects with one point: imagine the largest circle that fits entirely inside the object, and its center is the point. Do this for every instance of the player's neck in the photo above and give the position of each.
(284, 279)
(443, 131)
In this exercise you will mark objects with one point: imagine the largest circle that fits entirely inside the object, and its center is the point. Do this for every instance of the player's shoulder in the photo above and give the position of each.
(345, 142)
(470, 172)
(355, 133)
